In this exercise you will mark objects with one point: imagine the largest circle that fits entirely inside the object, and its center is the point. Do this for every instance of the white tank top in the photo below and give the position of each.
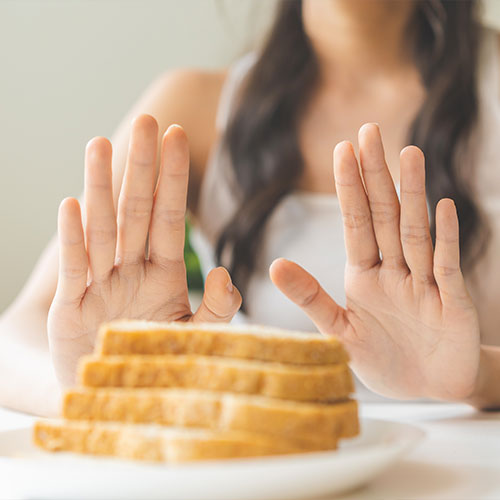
(307, 227)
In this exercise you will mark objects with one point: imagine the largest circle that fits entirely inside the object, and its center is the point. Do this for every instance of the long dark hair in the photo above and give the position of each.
(262, 135)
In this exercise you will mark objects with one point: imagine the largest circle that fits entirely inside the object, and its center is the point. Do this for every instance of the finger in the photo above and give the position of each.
(100, 228)
(302, 289)
(382, 196)
(361, 246)
(447, 271)
(73, 261)
(415, 231)
(166, 243)
(221, 299)
(136, 195)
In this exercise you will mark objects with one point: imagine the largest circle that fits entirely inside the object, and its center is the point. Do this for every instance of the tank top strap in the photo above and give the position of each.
(484, 150)
(218, 196)
(489, 70)
(229, 93)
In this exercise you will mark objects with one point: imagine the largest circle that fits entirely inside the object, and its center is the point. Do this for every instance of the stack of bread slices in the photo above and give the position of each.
(173, 392)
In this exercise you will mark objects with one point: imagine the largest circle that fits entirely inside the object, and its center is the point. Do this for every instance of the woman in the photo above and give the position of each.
(260, 188)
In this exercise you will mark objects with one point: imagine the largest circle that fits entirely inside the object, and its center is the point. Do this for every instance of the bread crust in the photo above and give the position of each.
(155, 444)
(318, 424)
(249, 342)
(175, 392)
(297, 383)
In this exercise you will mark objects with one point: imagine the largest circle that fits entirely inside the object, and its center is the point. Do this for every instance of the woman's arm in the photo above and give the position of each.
(28, 379)
(29, 382)
(186, 97)
(409, 323)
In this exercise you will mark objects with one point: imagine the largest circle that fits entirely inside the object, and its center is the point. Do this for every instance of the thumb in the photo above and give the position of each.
(305, 291)
(221, 300)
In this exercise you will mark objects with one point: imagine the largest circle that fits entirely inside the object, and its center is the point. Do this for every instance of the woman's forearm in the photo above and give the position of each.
(27, 378)
(486, 395)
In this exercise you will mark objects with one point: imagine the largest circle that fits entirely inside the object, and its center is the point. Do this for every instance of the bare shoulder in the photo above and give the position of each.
(185, 97)
(496, 33)
(190, 98)
(193, 80)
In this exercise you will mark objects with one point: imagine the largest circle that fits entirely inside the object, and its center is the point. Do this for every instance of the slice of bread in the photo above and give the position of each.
(234, 341)
(297, 383)
(154, 443)
(318, 424)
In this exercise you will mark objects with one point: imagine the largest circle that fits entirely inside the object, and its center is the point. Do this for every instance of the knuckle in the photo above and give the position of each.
(178, 168)
(415, 235)
(165, 263)
(170, 216)
(136, 207)
(217, 310)
(68, 241)
(331, 322)
(224, 316)
(418, 192)
(445, 271)
(447, 241)
(384, 212)
(141, 159)
(136, 212)
(345, 183)
(458, 297)
(363, 264)
(129, 258)
(99, 187)
(100, 236)
(426, 278)
(393, 262)
(73, 273)
(374, 168)
(310, 297)
(383, 217)
(356, 221)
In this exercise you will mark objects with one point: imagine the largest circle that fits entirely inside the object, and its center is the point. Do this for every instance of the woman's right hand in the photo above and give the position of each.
(104, 272)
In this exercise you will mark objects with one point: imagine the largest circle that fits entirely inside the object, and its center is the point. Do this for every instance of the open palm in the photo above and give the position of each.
(105, 268)
(409, 324)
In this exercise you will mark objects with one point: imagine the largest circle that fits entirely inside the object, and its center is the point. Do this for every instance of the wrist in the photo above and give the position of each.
(486, 392)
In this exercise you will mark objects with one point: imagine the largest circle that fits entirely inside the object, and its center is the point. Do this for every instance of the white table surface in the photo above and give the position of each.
(458, 459)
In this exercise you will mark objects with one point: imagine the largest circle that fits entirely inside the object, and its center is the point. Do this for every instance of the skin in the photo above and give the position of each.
(409, 322)
(379, 84)
(104, 271)
(408, 315)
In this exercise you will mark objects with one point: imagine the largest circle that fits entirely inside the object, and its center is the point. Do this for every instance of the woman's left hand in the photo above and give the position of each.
(409, 324)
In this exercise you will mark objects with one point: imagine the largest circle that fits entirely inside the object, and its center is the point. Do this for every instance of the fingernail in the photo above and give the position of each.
(173, 126)
(230, 286)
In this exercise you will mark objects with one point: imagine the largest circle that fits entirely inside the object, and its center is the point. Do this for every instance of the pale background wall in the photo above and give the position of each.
(69, 70)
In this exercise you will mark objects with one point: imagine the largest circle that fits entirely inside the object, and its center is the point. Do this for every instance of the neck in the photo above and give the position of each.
(359, 37)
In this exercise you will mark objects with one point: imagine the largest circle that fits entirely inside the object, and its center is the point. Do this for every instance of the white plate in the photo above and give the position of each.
(26, 472)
